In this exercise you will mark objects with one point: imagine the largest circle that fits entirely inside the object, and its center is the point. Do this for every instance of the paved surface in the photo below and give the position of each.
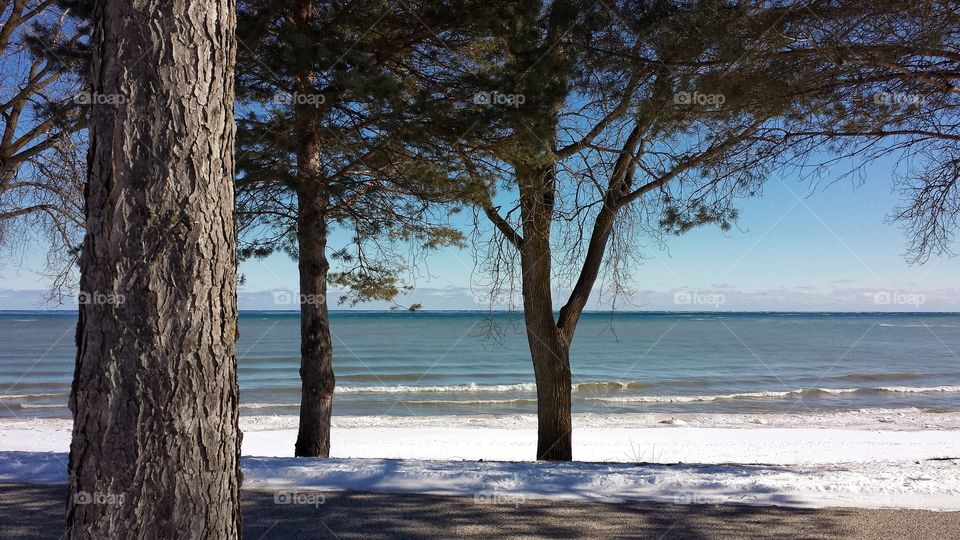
(37, 512)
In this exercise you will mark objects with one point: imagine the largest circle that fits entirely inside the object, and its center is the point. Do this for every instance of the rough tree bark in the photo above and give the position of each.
(316, 348)
(156, 441)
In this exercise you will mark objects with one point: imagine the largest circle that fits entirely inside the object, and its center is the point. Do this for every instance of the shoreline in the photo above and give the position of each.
(877, 435)
(897, 419)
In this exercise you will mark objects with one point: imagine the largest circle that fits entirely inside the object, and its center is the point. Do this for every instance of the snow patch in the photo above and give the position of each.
(930, 485)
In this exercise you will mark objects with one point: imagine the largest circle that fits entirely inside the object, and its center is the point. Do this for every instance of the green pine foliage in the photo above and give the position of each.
(386, 182)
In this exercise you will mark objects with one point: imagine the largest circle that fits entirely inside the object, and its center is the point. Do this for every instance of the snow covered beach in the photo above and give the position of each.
(879, 458)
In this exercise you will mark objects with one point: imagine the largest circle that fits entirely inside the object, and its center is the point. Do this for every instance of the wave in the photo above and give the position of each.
(688, 399)
(609, 385)
(472, 387)
(33, 406)
(803, 392)
(372, 377)
(31, 396)
(887, 325)
(426, 402)
(589, 386)
(430, 402)
(267, 405)
(915, 390)
(600, 386)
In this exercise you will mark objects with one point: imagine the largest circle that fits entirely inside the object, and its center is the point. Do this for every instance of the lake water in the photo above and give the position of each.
(433, 363)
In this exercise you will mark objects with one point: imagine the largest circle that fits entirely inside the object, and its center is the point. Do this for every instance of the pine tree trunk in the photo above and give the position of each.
(551, 360)
(156, 442)
(316, 347)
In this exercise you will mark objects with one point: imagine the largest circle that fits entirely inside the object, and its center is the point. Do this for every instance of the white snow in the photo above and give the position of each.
(876, 458)
(929, 485)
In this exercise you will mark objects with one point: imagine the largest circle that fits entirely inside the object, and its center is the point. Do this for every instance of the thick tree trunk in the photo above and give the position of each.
(551, 360)
(156, 443)
(316, 347)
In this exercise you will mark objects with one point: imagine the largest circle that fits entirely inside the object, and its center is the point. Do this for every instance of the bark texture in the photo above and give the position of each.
(548, 347)
(316, 348)
(156, 442)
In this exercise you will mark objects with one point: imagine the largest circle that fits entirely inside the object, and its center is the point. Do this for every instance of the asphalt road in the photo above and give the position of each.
(37, 512)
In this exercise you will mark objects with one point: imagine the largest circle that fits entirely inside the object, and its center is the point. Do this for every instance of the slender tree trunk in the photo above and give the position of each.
(551, 360)
(316, 347)
(156, 443)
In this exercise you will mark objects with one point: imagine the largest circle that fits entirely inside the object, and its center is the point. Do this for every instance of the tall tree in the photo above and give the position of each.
(611, 121)
(156, 442)
(333, 140)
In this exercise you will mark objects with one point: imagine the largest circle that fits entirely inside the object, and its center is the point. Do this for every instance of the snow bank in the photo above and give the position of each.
(890, 436)
(877, 458)
(930, 485)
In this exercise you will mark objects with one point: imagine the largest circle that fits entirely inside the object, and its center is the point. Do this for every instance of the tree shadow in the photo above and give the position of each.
(377, 515)
(28, 511)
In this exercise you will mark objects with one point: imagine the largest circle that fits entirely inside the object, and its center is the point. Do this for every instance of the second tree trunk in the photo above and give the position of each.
(316, 347)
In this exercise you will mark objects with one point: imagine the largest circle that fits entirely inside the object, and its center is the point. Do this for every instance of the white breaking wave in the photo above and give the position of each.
(29, 406)
(29, 396)
(917, 325)
(689, 399)
(589, 386)
(761, 395)
(593, 387)
(266, 405)
(472, 387)
(922, 389)
(802, 392)
(472, 402)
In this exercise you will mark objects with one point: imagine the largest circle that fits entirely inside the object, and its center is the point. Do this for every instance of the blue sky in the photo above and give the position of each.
(797, 247)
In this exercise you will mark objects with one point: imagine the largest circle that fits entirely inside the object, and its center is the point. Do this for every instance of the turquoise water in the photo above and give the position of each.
(432, 363)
